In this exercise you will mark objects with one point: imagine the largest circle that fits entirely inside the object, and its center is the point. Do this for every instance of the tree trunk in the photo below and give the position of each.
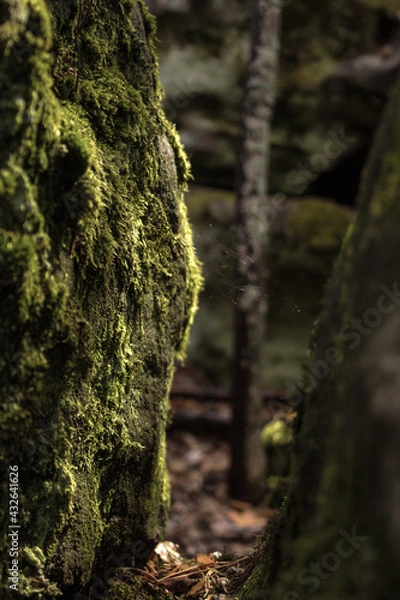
(339, 534)
(99, 282)
(248, 461)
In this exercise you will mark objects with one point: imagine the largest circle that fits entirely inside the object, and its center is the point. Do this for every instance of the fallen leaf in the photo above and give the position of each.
(204, 559)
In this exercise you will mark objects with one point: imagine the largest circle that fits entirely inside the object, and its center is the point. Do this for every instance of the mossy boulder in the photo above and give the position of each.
(99, 281)
(338, 533)
(318, 126)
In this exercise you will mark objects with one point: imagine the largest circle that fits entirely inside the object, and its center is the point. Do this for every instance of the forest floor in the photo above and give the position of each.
(211, 545)
(203, 518)
(211, 538)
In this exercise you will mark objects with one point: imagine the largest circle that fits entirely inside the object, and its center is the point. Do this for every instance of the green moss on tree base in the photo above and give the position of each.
(100, 282)
(130, 587)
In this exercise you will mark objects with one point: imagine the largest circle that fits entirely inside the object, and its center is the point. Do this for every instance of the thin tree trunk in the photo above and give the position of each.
(248, 462)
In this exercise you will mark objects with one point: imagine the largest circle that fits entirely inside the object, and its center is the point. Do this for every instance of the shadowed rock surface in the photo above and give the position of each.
(318, 127)
(338, 534)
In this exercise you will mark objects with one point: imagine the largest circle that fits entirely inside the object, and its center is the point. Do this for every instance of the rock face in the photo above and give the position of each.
(323, 124)
(99, 281)
(338, 535)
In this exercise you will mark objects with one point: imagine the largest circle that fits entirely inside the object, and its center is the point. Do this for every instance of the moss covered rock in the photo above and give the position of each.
(99, 281)
(338, 535)
(204, 51)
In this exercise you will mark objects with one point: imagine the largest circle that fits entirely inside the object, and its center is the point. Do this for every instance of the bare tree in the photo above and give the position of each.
(248, 461)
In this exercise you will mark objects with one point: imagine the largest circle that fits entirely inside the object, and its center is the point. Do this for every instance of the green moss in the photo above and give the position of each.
(276, 433)
(278, 488)
(132, 588)
(277, 438)
(390, 5)
(315, 230)
(101, 278)
(347, 432)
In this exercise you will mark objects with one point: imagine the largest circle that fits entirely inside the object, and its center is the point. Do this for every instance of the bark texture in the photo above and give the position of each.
(248, 463)
(99, 287)
(338, 534)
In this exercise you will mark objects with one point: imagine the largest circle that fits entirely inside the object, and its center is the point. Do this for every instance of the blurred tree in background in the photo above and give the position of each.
(247, 477)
